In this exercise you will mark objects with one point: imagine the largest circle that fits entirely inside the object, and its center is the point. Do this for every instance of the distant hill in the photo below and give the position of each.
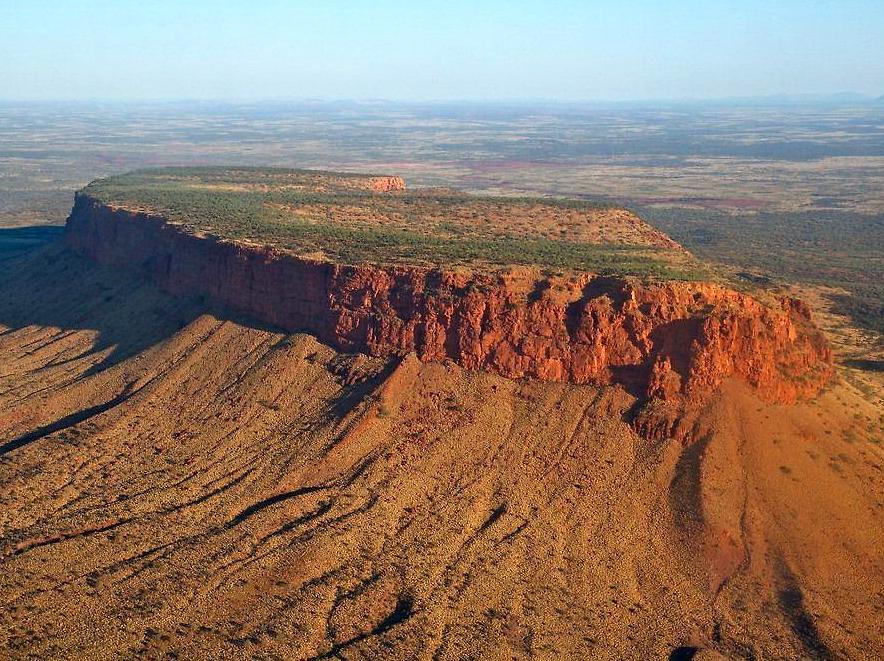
(837, 98)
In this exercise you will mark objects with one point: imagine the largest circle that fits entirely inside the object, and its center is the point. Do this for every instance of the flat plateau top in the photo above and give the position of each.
(355, 218)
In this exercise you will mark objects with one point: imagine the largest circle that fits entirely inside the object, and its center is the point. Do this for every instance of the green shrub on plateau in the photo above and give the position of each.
(257, 204)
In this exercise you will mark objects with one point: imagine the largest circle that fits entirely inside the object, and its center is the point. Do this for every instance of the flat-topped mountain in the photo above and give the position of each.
(357, 219)
(554, 289)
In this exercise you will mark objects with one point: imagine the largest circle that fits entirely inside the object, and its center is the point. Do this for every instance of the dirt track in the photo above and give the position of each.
(178, 482)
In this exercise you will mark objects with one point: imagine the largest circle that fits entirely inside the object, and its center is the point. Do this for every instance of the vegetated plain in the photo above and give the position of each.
(840, 251)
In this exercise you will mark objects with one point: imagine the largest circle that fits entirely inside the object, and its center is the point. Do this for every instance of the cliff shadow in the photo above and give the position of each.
(45, 284)
(15, 241)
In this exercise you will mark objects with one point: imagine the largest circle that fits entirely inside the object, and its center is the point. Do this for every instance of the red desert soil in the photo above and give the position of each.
(177, 482)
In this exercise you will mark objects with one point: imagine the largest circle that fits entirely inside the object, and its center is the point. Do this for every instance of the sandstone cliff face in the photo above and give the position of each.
(386, 184)
(670, 342)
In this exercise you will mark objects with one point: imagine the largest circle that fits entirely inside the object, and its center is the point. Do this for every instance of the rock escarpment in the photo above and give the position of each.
(669, 342)
(385, 184)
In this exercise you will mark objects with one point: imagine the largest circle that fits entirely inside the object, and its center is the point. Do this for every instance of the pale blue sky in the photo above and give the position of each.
(458, 49)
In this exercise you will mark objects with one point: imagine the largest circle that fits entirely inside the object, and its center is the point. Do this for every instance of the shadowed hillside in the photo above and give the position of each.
(181, 483)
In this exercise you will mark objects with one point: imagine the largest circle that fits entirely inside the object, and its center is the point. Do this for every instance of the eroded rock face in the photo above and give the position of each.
(670, 342)
(386, 184)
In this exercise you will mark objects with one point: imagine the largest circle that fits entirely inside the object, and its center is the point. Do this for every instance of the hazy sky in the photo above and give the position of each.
(457, 49)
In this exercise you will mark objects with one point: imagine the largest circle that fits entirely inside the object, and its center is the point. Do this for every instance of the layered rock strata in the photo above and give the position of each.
(668, 342)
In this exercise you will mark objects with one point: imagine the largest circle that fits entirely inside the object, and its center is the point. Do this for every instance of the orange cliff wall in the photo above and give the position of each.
(673, 342)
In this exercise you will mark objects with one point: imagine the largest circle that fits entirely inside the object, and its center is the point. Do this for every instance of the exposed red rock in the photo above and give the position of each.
(670, 342)
(386, 184)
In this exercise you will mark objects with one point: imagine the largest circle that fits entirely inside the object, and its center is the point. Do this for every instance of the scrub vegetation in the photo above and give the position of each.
(341, 217)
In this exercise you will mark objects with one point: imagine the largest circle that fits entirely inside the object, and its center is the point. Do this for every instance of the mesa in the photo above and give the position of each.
(558, 290)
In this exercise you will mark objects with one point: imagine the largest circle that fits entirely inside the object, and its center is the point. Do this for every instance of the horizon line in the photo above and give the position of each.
(845, 96)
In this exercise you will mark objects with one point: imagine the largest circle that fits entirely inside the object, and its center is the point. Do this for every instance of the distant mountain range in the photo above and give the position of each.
(835, 99)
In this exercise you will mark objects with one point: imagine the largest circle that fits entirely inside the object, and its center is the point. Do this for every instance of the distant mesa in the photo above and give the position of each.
(559, 290)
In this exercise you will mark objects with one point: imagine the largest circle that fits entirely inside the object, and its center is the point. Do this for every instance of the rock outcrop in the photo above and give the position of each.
(385, 184)
(669, 343)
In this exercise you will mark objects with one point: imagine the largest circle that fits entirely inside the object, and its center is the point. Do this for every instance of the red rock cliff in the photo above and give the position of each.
(669, 342)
